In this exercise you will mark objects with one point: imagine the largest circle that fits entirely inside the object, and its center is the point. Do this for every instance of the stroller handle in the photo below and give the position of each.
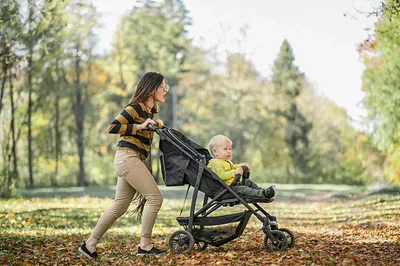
(154, 128)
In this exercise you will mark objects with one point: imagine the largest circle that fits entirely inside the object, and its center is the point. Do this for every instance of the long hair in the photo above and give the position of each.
(138, 201)
(146, 87)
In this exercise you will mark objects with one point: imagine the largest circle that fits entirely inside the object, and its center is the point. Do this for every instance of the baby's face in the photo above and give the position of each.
(223, 150)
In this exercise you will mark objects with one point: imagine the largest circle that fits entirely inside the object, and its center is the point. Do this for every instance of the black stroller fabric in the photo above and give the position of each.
(179, 169)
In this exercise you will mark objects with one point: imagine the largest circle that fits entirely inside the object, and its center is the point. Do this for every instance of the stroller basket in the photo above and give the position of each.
(213, 220)
(205, 229)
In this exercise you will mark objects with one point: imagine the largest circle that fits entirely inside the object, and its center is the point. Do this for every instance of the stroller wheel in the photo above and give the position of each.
(201, 246)
(181, 242)
(289, 236)
(281, 244)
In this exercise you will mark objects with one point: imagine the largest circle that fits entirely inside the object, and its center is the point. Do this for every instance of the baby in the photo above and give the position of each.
(221, 149)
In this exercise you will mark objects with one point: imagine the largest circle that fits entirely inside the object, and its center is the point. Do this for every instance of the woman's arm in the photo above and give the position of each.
(128, 122)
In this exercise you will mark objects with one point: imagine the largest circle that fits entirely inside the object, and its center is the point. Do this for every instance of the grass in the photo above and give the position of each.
(334, 225)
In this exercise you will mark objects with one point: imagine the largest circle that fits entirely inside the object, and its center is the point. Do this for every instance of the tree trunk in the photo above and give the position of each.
(79, 111)
(5, 170)
(57, 118)
(3, 87)
(30, 88)
(81, 150)
(5, 66)
(14, 173)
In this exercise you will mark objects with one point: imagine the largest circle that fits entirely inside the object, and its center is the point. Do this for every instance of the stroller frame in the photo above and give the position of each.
(274, 239)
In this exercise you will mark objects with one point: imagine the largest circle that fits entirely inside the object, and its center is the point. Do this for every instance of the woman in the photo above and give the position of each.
(135, 182)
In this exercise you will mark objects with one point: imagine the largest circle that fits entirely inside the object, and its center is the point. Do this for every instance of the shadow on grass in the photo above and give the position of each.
(94, 192)
(59, 218)
(285, 192)
(390, 190)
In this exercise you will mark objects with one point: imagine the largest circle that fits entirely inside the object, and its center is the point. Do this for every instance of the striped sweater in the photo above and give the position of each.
(126, 124)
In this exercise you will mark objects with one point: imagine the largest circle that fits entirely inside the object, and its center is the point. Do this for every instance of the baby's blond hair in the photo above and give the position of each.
(216, 141)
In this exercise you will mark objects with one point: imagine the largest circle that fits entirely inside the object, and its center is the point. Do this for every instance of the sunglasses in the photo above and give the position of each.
(165, 87)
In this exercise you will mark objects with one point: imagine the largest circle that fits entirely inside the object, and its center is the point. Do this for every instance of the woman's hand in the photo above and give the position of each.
(159, 122)
(145, 124)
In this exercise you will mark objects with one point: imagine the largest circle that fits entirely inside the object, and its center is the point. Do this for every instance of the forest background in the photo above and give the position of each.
(58, 96)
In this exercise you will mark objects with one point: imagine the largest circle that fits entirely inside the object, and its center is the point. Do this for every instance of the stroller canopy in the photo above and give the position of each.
(181, 161)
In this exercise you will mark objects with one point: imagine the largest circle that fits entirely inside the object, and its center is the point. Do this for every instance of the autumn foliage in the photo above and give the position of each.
(331, 228)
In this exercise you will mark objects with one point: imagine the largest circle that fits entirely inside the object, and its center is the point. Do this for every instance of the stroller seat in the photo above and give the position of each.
(215, 188)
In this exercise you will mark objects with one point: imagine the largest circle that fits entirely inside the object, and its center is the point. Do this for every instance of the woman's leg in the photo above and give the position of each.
(143, 182)
(123, 197)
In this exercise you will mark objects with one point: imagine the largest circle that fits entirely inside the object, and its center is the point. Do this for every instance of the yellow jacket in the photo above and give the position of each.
(225, 169)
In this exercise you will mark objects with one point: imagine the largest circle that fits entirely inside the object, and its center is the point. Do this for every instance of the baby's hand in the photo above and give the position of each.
(239, 171)
(248, 166)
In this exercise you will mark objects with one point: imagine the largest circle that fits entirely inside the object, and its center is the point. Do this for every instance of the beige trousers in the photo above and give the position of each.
(132, 176)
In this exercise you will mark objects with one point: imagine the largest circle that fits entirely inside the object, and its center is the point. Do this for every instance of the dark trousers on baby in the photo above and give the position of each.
(248, 189)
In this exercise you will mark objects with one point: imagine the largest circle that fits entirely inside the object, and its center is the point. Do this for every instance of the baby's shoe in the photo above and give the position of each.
(270, 192)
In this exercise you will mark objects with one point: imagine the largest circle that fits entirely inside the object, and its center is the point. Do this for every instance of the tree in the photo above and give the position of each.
(81, 44)
(31, 39)
(151, 37)
(339, 153)
(10, 28)
(288, 82)
(380, 82)
(51, 91)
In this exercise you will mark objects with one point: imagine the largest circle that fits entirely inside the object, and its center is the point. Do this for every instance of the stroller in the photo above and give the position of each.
(185, 162)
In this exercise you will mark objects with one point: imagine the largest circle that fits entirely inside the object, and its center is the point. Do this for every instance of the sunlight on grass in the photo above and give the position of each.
(58, 225)
(74, 213)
